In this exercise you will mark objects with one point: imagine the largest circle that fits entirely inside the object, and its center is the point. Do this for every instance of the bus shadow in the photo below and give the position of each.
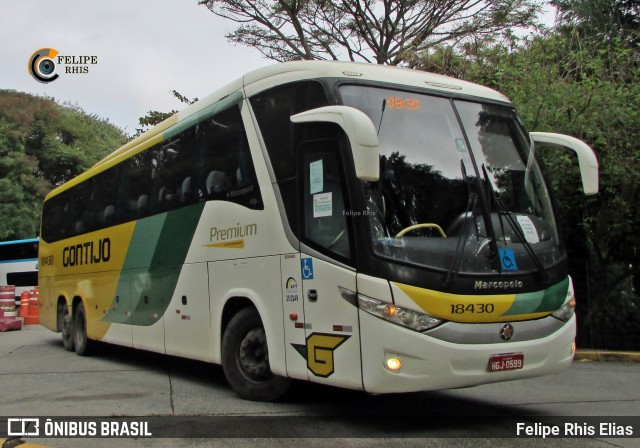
(132, 358)
(311, 408)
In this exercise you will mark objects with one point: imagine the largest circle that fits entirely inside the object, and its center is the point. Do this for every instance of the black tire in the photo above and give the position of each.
(245, 359)
(84, 345)
(68, 335)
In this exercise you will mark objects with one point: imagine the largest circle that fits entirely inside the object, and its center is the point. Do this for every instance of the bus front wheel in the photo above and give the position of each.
(245, 359)
(83, 344)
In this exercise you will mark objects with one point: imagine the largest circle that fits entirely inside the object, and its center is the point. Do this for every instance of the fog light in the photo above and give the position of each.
(572, 349)
(393, 363)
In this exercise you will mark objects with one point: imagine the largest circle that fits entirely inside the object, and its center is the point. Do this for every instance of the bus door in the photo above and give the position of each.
(332, 341)
(294, 322)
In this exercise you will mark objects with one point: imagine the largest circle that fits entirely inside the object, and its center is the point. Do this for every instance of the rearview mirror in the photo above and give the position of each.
(587, 159)
(360, 131)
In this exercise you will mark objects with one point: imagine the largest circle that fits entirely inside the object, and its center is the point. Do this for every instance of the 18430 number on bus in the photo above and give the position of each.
(472, 308)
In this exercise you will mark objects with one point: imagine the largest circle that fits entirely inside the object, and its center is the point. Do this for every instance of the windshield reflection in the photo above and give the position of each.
(444, 194)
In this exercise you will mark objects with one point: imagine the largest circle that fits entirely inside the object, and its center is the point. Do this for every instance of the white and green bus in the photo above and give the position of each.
(368, 227)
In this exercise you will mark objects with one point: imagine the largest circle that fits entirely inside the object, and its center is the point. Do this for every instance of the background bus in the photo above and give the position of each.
(19, 264)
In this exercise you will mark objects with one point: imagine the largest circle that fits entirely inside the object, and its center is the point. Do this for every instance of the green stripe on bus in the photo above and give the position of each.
(151, 302)
(224, 104)
(554, 296)
(144, 241)
(544, 301)
(150, 273)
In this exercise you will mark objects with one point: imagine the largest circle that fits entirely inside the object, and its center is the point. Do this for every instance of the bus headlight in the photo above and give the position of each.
(568, 308)
(401, 316)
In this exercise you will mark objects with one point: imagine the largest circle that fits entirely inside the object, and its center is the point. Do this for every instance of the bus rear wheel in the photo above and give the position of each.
(64, 324)
(67, 331)
(84, 345)
(245, 359)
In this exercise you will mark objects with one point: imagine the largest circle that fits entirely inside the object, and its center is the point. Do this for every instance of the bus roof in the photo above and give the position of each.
(273, 75)
(281, 73)
(29, 240)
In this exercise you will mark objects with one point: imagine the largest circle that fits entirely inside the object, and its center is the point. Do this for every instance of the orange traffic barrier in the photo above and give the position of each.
(7, 301)
(33, 315)
(24, 304)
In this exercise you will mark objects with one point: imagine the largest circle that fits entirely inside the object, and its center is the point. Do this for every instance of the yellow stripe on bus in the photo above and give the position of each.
(465, 308)
(234, 244)
(89, 266)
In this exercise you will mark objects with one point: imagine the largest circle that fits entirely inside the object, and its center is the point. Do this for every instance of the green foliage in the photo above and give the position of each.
(588, 87)
(605, 20)
(42, 145)
(592, 93)
(154, 117)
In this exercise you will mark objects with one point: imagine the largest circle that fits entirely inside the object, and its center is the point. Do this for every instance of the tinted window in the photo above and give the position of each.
(324, 201)
(273, 110)
(21, 279)
(208, 161)
(19, 251)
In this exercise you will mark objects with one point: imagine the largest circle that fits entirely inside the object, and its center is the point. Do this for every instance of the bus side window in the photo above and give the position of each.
(226, 169)
(210, 160)
(273, 109)
(324, 203)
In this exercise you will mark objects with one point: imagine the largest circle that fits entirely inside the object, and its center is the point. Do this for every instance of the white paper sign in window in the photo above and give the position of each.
(315, 177)
(528, 229)
(322, 205)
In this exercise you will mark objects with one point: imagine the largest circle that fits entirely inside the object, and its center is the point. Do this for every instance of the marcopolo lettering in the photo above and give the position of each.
(87, 253)
(479, 284)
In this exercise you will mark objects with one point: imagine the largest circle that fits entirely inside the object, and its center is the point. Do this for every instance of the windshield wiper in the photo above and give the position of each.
(454, 269)
(503, 210)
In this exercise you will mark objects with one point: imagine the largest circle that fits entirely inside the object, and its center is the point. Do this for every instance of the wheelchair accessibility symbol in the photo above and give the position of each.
(507, 259)
(307, 268)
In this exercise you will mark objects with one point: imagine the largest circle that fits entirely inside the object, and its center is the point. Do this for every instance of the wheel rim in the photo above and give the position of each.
(253, 356)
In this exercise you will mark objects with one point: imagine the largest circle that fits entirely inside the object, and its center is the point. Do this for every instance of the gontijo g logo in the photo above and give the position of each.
(41, 65)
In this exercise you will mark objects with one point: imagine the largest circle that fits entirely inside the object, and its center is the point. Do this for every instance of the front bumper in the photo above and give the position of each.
(431, 364)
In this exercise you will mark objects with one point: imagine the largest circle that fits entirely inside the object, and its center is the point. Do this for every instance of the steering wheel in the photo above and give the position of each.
(422, 226)
(340, 235)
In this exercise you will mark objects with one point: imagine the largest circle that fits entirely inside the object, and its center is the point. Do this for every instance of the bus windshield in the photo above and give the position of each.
(460, 187)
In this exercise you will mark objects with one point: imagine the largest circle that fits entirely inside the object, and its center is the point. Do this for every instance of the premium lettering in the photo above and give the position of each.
(230, 233)
(87, 253)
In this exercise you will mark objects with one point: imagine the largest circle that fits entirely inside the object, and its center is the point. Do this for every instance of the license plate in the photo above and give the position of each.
(508, 361)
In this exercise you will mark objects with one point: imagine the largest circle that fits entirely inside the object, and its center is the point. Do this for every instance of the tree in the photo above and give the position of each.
(42, 145)
(154, 117)
(380, 31)
(578, 84)
(604, 20)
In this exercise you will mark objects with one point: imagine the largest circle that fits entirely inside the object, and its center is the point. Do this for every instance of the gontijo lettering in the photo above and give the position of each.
(89, 252)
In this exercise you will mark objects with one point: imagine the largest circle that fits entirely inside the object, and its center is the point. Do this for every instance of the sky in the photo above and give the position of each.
(144, 49)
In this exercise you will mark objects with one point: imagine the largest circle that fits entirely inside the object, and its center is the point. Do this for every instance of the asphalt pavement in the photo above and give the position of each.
(39, 378)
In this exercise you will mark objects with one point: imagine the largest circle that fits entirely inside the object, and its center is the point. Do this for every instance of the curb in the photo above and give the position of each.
(18, 443)
(606, 355)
